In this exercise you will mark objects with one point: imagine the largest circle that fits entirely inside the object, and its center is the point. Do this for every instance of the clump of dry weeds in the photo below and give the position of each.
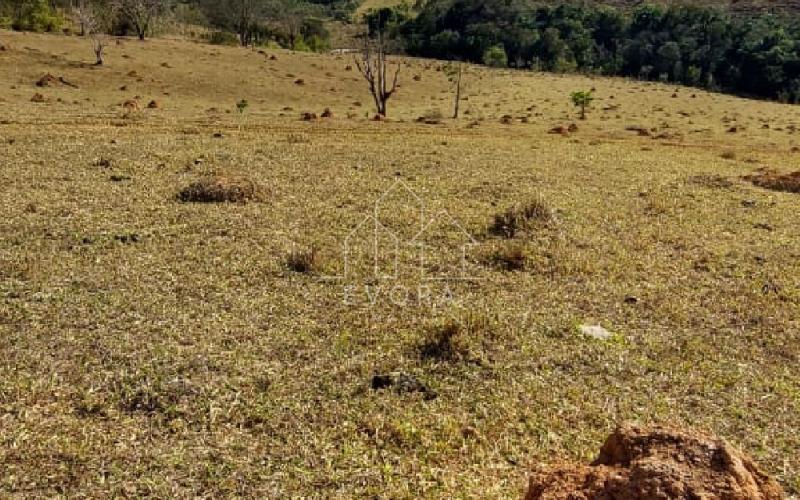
(304, 260)
(510, 256)
(220, 189)
(464, 339)
(532, 214)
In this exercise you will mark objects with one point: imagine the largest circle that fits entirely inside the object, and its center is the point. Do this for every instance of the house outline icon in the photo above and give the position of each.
(419, 242)
(377, 229)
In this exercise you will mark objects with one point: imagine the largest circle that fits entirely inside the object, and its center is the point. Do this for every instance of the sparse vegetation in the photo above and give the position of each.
(161, 348)
(304, 260)
(463, 339)
(531, 214)
(219, 189)
(509, 256)
(775, 181)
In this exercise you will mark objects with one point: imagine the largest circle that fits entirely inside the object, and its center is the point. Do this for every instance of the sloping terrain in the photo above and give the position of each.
(154, 345)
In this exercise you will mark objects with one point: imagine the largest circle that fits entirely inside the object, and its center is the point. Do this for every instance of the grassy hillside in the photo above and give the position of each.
(157, 347)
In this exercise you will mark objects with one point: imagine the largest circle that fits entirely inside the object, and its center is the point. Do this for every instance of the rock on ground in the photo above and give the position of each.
(596, 332)
(658, 463)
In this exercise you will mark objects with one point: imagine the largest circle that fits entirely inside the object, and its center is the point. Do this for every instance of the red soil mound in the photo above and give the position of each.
(658, 463)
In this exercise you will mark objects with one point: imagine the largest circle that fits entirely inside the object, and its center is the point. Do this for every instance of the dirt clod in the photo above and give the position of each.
(769, 179)
(131, 105)
(658, 463)
(47, 80)
(402, 383)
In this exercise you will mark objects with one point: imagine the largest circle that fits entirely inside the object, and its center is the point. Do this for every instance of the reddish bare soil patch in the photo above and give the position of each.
(769, 179)
(659, 463)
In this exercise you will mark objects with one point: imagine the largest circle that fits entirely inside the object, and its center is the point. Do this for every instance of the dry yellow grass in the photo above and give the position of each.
(156, 347)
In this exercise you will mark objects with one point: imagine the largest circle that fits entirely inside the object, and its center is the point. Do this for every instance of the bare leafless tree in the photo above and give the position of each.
(84, 15)
(372, 65)
(93, 25)
(142, 14)
(99, 42)
(455, 73)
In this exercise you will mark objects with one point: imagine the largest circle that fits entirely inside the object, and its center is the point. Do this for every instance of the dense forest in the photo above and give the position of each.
(698, 46)
(754, 54)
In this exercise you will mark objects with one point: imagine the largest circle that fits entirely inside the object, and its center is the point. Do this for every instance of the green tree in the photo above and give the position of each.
(582, 99)
(495, 56)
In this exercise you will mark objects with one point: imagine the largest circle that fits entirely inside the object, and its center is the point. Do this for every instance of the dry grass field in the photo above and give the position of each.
(155, 346)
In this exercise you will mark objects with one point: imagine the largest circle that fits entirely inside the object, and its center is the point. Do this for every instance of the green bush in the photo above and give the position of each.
(318, 44)
(36, 15)
(300, 45)
(495, 57)
(223, 38)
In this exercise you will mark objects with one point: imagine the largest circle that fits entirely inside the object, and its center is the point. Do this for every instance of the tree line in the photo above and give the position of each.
(697, 46)
(753, 55)
(294, 24)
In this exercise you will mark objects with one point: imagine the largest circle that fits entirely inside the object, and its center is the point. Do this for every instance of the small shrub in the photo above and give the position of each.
(304, 261)
(219, 189)
(508, 257)
(582, 99)
(458, 340)
(534, 213)
(446, 342)
(431, 117)
(495, 57)
(39, 16)
(143, 393)
(241, 106)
